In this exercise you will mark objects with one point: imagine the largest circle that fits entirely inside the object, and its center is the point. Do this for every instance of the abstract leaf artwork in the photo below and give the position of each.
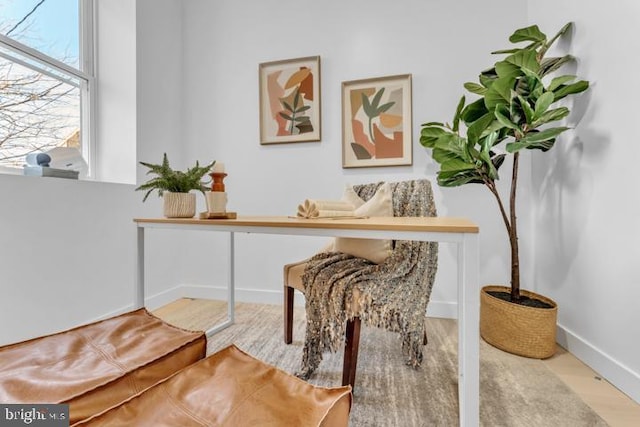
(376, 122)
(290, 100)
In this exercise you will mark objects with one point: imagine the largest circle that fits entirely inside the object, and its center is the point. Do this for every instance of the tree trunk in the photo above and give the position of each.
(513, 234)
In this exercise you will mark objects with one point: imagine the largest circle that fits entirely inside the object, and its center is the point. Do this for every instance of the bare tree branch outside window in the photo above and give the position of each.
(37, 112)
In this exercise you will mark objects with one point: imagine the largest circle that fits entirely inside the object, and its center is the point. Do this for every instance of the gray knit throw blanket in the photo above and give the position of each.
(392, 295)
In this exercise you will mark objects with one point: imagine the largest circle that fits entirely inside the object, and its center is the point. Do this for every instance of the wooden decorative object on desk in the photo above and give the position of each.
(218, 215)
(218, 181)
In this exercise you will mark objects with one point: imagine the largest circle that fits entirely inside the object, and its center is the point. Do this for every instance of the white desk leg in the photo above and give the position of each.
(469, 331)
(232, 278)
(138, 298)
(230, 291)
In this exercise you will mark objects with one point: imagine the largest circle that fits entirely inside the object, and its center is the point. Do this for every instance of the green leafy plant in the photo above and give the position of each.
(514, 109)
(373, 109)
(168, 179)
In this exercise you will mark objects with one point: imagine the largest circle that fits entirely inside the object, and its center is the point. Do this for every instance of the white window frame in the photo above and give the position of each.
(39, 62)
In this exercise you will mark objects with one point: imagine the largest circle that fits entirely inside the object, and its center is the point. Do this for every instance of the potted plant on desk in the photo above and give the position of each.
(514, 110)
(175, 186)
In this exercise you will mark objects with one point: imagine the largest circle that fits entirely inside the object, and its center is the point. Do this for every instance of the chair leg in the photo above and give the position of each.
(288, 314)
(351, 352)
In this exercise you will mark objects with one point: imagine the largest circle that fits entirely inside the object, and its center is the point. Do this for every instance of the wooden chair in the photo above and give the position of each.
(417, 261)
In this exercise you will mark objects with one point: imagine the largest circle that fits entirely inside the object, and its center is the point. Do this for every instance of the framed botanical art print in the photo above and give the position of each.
(290, 100)
(376, 122)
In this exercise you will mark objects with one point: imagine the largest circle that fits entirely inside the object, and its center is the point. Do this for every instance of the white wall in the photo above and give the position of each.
(224, 41)
(116, 87)
(67, 253)
(587, 205)
(67, 247)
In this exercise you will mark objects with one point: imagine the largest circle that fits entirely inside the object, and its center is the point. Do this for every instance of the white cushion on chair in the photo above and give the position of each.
(372, 249)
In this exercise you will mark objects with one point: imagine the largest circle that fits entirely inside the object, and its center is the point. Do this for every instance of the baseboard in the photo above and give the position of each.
(626, 380)
(442, 309)
(258, 296)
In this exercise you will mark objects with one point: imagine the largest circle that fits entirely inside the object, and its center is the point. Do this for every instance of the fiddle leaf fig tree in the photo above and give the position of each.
(514, 111)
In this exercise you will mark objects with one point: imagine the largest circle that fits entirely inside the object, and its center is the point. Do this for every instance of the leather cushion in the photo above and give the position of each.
(98, 365)
(231, 388)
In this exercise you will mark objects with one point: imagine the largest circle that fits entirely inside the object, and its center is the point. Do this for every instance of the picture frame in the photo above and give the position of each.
(290, 104)
(377, 122)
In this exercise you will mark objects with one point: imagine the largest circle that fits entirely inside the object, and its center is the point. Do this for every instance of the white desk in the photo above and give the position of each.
(455, 230)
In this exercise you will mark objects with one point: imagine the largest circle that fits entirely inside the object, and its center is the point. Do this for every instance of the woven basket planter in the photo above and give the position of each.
(517, 329)
(179, 205)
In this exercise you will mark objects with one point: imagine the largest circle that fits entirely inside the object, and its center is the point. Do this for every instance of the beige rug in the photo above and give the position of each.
(514, 391)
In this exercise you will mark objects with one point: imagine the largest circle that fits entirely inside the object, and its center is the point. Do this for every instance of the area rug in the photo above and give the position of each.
(514, 391)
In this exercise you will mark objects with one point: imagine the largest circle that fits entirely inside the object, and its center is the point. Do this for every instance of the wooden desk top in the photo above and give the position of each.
(424, 224)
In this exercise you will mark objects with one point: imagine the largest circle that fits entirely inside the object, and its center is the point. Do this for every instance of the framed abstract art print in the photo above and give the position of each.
(290, 100)
(376, 122)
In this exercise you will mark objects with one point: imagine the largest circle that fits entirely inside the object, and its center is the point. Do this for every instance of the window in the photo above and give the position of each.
(46, 77)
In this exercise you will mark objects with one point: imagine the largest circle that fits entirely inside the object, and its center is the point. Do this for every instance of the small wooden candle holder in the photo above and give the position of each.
(218, 178)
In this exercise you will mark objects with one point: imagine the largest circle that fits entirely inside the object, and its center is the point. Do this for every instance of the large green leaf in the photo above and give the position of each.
(455, 144)
(487, 77)
(456, 164)
(560, 33)
(551, 116)
(499, 93)
(546, 145)
(543, 103)
(526, 109)
(488, 142)
(429, 135)
(473, 111)
(455, 178)
(475, 88)
(539, 140)
(525, 59)
(548, 65)
(458, 113)
(505, 51)
(443, 156)
(531, 33)
(476, 128)
(498, 127)
(507, 69)
(485, 154)
(501, 113)
(560, 80)
(565, 90)
(544, 135)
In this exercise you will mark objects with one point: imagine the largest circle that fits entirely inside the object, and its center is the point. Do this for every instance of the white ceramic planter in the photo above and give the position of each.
(179, 205)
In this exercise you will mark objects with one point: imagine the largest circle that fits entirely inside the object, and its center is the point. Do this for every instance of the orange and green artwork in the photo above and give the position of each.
(377, 122)
(290, 101)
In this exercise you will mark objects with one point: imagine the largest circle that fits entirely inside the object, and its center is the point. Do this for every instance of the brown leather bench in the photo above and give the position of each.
(97, 366)
(231, 388)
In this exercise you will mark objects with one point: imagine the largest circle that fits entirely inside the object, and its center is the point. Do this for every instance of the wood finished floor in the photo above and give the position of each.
(617, 409)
